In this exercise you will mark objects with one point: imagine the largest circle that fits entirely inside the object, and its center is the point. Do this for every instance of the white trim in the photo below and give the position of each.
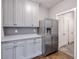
(73, 9)
(75, 34)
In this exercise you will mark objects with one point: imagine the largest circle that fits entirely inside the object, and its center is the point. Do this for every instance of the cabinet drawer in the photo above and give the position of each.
(29, 41)
(7, 44)
(38, 40)
(18, 43)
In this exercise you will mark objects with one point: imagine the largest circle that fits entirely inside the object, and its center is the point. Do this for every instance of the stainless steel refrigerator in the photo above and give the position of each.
(49, 31)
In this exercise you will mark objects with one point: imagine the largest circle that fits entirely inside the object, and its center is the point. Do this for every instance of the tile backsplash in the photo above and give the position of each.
(19, 30)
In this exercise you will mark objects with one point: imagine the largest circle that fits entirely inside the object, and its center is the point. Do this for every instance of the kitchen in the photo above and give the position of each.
(38, 29)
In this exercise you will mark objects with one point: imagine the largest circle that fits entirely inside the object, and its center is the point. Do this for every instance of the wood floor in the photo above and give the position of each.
(57, 55)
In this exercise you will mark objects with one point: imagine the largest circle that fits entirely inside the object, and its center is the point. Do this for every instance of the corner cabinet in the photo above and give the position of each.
(20, 13)
(23, 49)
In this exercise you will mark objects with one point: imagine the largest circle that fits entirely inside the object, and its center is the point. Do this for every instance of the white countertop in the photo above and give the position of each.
(19, 37)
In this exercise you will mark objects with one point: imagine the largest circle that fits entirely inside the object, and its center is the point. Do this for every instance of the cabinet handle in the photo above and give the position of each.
(32, 25)
(15, 24)
(34, 42)
(15, 46)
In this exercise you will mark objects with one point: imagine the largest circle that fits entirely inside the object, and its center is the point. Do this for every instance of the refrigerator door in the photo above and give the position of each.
(47, 44)
(54, 35)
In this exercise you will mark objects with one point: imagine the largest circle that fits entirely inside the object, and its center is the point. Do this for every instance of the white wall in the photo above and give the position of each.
(43, 13)
(62, 6)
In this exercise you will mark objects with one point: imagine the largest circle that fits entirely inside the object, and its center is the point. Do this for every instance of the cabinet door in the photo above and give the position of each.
(38, 47)
(19, 50)
(29, 49)
(18, 12)
(7, 51)
(7, 6)
(35, 12)
(27, 13)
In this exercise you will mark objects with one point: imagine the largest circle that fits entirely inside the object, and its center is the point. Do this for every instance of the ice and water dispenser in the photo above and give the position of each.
(48, 27)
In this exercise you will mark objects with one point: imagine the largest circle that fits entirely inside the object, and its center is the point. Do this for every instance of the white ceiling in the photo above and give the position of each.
(47, 3)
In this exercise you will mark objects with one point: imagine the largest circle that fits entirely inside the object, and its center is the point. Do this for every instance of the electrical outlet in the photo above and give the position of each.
(34, 30)
(16, 31)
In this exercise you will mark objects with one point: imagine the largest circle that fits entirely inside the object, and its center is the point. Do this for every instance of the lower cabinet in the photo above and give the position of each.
(26, 49)
(33, 48)
(37, 47)
(19, 50)
(29, 49)
(7, 51)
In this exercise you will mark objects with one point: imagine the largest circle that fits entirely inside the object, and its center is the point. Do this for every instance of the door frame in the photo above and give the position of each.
(75, 27)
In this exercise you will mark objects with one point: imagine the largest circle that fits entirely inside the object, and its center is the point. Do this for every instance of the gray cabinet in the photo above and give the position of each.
(20, 13)
(29, 49)
(19, 50)
(37, 46)
(23, 49)
(27, 13)
(30, 14)
(12, 50)
(7, 12)
(33, 48)
(18, 10)
(35, 15)
(7, 51)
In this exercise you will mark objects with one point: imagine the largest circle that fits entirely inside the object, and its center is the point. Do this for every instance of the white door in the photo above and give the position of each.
(7, 6)
(65, 33)
(70, 17)
(66, 28)
(61, 30)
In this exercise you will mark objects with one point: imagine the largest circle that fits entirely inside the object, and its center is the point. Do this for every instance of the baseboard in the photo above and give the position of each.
(66, 45)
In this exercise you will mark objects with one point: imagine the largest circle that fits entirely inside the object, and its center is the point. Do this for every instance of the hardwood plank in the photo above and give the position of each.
(57, 55)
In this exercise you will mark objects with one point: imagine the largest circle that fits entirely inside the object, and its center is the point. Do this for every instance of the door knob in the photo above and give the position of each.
(71, 32)
(63, 33)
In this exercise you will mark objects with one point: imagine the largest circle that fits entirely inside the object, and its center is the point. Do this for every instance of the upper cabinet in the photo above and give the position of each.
(27, 13)
(7, 7)
(20, 13)
(35, 15)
